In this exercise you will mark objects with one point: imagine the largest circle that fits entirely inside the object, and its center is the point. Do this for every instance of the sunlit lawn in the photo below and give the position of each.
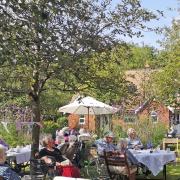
(172, 171)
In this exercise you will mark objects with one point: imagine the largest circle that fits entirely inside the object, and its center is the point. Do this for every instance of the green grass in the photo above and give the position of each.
(172, 172)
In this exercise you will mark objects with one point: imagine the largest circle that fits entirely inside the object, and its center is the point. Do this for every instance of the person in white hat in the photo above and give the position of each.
(106, 144)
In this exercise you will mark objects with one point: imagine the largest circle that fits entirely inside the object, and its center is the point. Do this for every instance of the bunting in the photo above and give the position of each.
(5, 126)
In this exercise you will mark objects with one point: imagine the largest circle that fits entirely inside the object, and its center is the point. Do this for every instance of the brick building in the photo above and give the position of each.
(97, 124)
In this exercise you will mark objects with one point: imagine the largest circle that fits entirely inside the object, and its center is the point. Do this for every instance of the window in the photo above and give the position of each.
(176, 117)
(106, 120)
(129, 118)
(82, 119)
(154, 116)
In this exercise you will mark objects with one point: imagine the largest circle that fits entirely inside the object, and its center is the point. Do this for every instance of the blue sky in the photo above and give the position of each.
(151, 38)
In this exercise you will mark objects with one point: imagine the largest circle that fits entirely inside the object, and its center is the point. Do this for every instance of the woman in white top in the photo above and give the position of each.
(133, 141)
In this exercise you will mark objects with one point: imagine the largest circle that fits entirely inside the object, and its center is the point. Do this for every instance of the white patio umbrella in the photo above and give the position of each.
(89, 106)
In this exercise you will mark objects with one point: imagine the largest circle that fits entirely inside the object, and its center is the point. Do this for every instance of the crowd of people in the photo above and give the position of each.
(63, 151)
(68, 143)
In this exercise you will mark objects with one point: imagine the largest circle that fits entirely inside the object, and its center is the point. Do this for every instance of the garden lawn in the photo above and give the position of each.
(172, 173)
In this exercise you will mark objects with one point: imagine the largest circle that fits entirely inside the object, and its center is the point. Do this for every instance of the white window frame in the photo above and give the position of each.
(82, 119)
(153, 115)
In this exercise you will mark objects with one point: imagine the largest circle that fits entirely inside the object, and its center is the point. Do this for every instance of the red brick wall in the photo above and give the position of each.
(73, 122)
(162, 112)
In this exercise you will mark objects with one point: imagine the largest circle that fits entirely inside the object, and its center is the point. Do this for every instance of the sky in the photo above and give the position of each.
(151, 38)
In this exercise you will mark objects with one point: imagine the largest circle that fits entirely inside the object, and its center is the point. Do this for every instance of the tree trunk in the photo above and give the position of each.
(35, 130)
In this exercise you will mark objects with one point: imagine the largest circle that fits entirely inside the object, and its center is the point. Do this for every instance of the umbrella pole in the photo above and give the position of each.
(88, 118)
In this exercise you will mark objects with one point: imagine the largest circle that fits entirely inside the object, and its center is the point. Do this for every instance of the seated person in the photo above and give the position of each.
(131, 160)
(172, 132)
(59, 141)
(123, 147)
(2, 142)
(73, 150)
(73, 131)
(71, 147)
(61, 144)
(106, 143)
(49, 150)
(133, 141)
(84, 135)
(5, 171)
(66, 136)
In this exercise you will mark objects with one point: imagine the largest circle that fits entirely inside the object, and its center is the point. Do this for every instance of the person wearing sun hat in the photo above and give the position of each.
(105, 144)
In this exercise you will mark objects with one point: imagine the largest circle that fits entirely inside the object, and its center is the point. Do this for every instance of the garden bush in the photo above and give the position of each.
(119, 132)
(146, 131)
(13, 137)
(62, 121)
(150, 131)
(50, 126)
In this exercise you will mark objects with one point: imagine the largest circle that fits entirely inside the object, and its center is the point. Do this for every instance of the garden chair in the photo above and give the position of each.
(118, 167)
(42, 169)
(73, 153)
(94, 165)
(63, 148)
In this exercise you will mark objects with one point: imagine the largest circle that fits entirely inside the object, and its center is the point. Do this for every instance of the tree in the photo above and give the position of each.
(166, 82)
(141, 56)
(49, 44)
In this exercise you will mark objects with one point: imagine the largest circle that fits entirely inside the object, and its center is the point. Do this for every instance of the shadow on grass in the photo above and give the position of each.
(172, 173)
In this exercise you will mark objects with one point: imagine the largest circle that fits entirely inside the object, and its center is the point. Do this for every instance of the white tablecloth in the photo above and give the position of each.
(23, 155)
(154, 161)
(67, 178)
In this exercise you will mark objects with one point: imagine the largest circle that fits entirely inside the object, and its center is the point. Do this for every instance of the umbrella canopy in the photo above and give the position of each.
(89, 106)
(65, 129)
(81, 106)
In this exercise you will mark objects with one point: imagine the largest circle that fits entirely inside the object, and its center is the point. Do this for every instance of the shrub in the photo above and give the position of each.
(119, 132)
(49, 126)
(62, 121)
(147, 130)
(14, 138)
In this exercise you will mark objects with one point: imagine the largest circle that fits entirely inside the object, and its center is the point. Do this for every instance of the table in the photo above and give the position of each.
(155, 161)
(18, 156)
